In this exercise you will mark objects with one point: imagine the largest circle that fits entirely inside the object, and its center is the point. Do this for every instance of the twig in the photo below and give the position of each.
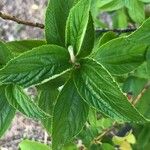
(146, 87)
(41, 26)
(20, 21)
(116, 30)
(104, 133)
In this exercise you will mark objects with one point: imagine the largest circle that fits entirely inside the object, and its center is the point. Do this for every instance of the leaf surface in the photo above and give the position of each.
(136, 10)
(145, 1)
(20, 101)
(77, 23)
(123, 55)
(70, 114)
(5, 54)
(148, 62)
(110, 5)
(36, 66)
(32, 145)
(88, 41)
(55, 21)
(98, 88)
(7, 112)
(46, 101)
(19, 47)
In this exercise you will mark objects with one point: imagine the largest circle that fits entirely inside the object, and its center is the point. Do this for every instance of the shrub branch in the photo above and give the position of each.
(41, 26)
(20, 21)
(140, 95)
(116, 30)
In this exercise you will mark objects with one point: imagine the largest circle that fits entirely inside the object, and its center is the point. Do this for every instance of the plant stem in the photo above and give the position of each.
(41, 26)
(104, 133)
(20, 21)
(71, 52)
(146, 87)
(119, 31)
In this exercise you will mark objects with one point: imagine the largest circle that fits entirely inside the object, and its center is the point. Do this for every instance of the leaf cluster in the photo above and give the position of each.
(81, 81)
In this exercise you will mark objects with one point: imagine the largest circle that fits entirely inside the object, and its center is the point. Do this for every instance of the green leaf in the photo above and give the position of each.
(143, 104)
(98, 88)
(20, 101)
(70, 146)
(7, 112)
(92, 117)
(104, 2)
(102, 39)
(87, 135)
(47, 98)
(125, 54)
(121, 59)
(55, 22)
(77, 24)
(70, 114)
(142, 136)
(111, 5)
(136, 10)
(120, 19)
(106, 146)
(148, 61)
(134, 85)
(36, 66)
(46, 101)
(18, 47)
(88, 41)
(95, 147)
(56, 82)
(145, 1)
(5, 54)
(142, 71)
(32, 145)
(105, 38)
(100, 123)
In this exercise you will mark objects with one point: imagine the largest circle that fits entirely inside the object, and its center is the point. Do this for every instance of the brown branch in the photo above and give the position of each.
(20, 21)
(146, 87)
(41, 26)
(104, 133)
